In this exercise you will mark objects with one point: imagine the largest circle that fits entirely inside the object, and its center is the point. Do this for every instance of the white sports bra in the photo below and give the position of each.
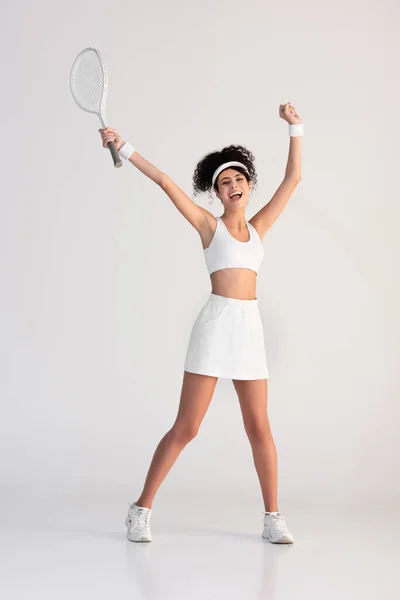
(226, 252)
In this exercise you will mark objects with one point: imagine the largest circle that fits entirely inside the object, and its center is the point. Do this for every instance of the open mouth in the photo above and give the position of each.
(236, 196)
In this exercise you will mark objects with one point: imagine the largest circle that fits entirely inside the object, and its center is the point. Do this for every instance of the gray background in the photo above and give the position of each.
(102, 277)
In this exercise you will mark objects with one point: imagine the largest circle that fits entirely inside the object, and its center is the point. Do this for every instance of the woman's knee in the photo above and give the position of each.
(184, 432)
(258, 432)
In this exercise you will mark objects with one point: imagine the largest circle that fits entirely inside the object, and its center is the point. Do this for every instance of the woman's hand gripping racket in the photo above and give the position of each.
(88, 82)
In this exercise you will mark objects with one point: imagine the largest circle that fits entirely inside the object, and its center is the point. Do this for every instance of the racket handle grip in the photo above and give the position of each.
(115, 154)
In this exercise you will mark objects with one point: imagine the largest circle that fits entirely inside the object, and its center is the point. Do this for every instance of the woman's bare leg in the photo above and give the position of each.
(252, 396)
(196, 395)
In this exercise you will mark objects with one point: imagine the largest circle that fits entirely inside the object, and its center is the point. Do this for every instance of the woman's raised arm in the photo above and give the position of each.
(199, 217)
(136, 159)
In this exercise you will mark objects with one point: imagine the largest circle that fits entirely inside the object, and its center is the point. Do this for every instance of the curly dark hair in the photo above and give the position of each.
(206, 167)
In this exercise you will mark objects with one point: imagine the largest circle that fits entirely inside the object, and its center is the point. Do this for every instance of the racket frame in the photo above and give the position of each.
(111, 145)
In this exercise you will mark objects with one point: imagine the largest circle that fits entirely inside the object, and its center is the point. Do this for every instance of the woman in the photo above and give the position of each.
(227, 337)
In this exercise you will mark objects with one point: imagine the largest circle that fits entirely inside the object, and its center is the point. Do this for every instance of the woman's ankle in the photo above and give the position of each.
(143, 503)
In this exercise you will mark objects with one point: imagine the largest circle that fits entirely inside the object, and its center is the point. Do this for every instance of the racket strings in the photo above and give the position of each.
(88, 83)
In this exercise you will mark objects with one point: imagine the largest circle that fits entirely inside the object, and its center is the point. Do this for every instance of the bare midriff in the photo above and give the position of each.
(234, 283)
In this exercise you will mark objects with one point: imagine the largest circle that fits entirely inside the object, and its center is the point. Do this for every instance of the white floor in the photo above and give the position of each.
(202, 550)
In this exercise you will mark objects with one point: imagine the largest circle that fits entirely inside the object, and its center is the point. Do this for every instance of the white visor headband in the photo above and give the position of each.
(232, 163)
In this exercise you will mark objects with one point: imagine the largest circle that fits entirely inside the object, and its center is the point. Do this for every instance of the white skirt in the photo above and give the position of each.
(227, 340)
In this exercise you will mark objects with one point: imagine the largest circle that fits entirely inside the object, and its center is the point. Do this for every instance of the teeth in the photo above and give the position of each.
(235, 194)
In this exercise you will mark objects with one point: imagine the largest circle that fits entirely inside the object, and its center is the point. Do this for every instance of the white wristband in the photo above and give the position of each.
(295, 129)
(126, 150)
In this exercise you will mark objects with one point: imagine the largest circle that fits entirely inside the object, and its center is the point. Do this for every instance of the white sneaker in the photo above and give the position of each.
(138, 523)
(275, 529)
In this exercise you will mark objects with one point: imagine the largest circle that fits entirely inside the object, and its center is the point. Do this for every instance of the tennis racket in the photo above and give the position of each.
(89, 84)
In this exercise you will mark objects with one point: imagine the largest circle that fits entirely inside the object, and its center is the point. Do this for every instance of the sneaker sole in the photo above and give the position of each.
(284, 540)
(142, 539)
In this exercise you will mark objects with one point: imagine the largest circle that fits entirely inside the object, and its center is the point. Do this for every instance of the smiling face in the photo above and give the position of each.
(233, 188)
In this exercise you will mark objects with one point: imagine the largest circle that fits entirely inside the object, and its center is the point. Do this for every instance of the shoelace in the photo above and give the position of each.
(140, 518)
(276, 522)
